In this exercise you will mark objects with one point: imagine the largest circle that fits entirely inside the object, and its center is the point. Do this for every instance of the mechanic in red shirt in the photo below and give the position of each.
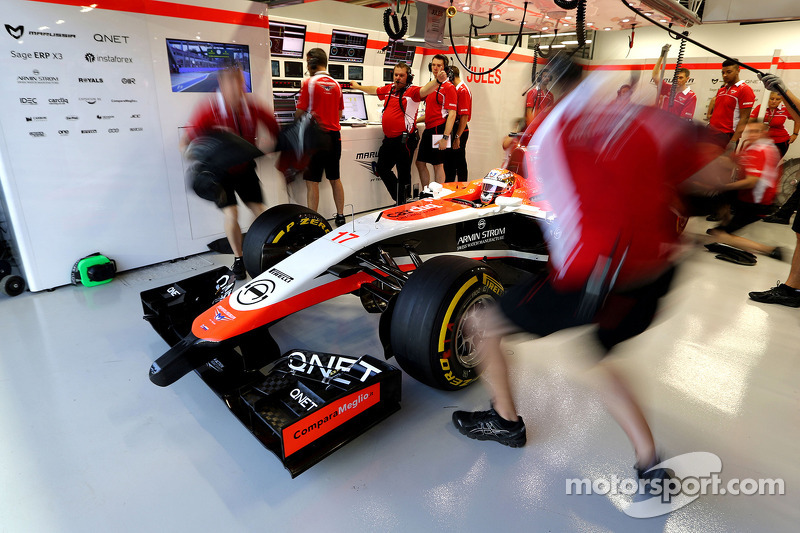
(232, 109)
(610, 252)
(775, 116)
(321, 96)
(455, 167)
(758, 160)
(440, 116)
(685, 100)
(729, 110)
(539, 98)
(399, 121)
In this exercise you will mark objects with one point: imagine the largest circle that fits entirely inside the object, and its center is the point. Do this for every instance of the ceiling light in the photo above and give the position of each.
(511, 9)
(626, 20)
(663, 20)
(558, 45)
(42, 28)
(544, 29)
(575, 42)
(466, 8)
(59, 22)
(607, 28)
(567, 18)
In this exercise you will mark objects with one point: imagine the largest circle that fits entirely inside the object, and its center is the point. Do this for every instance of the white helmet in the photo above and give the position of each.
(496, 183)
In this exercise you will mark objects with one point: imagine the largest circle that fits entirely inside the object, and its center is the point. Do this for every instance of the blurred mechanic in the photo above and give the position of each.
(610, 251)
(321, 96)
(232, 109)
(455, 166)
(399, 121)
(539, 98)
(440, 116)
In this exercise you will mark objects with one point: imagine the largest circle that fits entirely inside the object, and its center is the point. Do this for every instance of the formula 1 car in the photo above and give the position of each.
(427, 267)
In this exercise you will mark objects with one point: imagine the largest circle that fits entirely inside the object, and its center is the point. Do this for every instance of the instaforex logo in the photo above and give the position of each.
(91, 58)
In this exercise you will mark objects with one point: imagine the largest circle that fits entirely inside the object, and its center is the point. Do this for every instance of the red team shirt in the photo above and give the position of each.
(215, 114)
(395, 121)
(730, 100)
(321, 96)
(539, 99)
(760, 158)
(776, 118)
(464, 99)
(438, 103)
(684, 104)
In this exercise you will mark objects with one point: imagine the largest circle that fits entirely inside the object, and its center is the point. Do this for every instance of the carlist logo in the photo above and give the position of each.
(28, 101)
(90, 80)
(89, 57)
(17, 32)
(116, 39)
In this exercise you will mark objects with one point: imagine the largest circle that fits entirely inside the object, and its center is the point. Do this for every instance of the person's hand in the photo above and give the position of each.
(665, 49)
(793, 138)
(355, 85)
(442, 144)
(456, 143)
(442, 76)
(772, 82)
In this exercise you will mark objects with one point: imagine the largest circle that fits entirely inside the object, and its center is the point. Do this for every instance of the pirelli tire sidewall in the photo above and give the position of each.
(282, 225)
(427, 315)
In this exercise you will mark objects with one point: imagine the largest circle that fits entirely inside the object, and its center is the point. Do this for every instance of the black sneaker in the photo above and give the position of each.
(780, 294)
(777, 253)
(488, 425)
(777, 218)
(238, 269)
(653, 481)
(339, 220)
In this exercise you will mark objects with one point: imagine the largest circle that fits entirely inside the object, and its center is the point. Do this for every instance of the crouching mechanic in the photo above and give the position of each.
(399, 121)
(610, 252)
(232, 109)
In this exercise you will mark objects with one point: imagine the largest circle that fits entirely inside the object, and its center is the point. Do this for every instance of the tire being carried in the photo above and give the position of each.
(277, 230)
(431, 336)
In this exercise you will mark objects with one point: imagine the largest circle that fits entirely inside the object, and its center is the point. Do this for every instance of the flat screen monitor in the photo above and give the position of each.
(336, 71)
(388, 75)
(348, 46)
(286, 40)
(293, 69)
(398, 51)
(355, 72)
(354, 106)
(276, 69)
(284, 104)
(194, 65)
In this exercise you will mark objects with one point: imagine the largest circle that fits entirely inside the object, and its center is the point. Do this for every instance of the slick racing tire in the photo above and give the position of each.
(433, 331)
(277, 230)
(789, 180)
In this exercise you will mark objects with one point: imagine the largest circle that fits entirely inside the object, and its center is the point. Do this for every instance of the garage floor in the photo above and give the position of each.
(89, 444)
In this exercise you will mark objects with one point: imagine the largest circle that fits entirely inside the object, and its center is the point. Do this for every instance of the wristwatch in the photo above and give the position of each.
(445, 136)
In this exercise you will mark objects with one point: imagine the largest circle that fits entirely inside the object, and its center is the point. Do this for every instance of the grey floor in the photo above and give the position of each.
(89, 444)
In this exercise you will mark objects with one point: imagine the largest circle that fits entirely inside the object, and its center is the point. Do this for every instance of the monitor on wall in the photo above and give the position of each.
(336, 71)
(355, 106)
(284, 105)
(355, 72)
(293, 69)
(398, 51)
(276, 69)
(286, 40)
(194, 65)
(388, 75)
(348, 46)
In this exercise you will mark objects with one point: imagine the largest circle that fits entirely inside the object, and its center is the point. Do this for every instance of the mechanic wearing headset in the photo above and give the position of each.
(399, 122)
(440, 116)
(321, 96)
(455, 167)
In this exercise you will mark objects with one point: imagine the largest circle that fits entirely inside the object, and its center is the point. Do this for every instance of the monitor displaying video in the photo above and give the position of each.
(348, 46)
(286, 40)
(285, 105)
(355, 73)
(336, 71)
(293, 69)
(194, 65)
(388, 75)
(276, 69)
(398, 52)
(355, 106)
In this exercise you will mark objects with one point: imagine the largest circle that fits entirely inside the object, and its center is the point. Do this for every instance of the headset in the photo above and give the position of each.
(446, 62)
(312, 59)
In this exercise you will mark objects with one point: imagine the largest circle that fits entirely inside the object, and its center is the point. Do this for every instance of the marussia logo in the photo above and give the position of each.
(17, 32)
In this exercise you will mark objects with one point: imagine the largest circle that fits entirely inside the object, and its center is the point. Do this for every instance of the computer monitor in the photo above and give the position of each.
(355, 72)
(388, 75)
(347, 46)
(354, 106)
(336, 71)
(276, 69)
(193, 65)
(286, 40)
(398, 51)
(293, 69)
(284, 104)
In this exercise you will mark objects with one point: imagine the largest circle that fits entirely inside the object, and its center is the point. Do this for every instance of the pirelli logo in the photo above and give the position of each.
(492, 284)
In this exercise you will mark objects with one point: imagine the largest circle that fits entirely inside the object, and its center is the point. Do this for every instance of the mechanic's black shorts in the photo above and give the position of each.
(796, 224)
(744, 214)
(326, 158)
(243, 182)
(427, 153)
(535, 306)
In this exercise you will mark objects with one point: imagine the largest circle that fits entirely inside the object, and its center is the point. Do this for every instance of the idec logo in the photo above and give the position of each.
(492, 77)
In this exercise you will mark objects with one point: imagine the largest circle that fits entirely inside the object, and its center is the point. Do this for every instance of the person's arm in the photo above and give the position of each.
(462, 125)
(302, 101)
(748, 182)
(448, 128)
(710, 109)
(655, 77)
(369, 89)
(432, 85)
(744, 116)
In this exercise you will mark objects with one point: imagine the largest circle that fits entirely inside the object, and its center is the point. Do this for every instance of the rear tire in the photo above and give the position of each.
(431, 336)
(278, 229)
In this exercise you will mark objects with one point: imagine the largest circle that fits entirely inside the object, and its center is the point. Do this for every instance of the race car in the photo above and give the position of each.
(426, 266)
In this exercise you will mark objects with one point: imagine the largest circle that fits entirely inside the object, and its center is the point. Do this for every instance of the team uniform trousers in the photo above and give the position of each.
(395, 153)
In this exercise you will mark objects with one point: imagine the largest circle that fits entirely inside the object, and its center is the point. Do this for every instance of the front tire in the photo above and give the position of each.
(277, 230)
(433, 336)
